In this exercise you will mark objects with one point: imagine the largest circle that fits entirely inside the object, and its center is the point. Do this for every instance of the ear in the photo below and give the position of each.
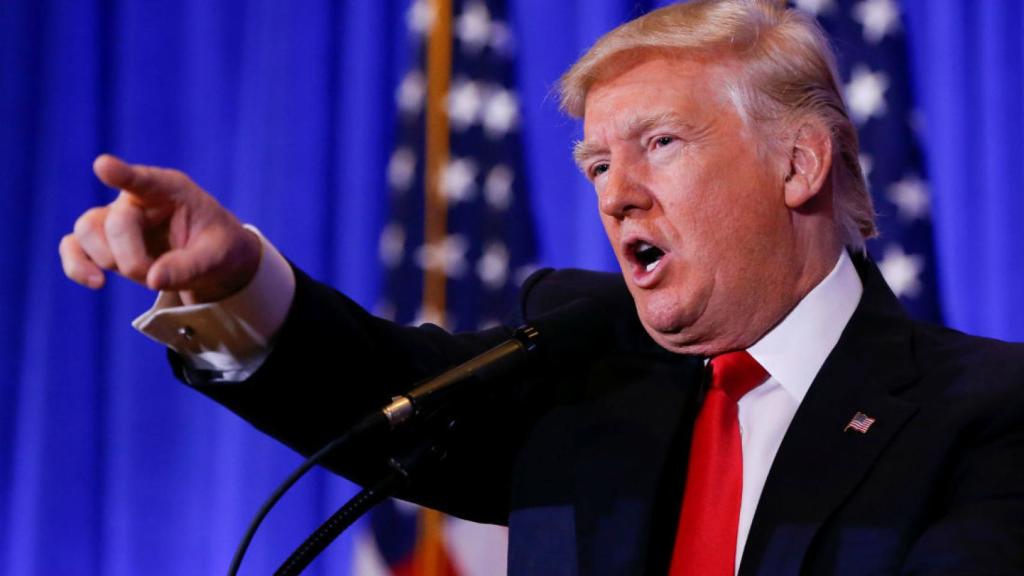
(810, 163)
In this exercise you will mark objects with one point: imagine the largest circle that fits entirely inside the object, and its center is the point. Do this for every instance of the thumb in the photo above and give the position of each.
(211, 266)
(178, 269)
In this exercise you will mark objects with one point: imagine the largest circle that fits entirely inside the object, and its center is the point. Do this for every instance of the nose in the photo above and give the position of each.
(624, 191)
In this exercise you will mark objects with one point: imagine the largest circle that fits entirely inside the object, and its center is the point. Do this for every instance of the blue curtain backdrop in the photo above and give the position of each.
(285, 111)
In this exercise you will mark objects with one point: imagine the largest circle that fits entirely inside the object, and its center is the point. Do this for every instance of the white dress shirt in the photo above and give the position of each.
(792, 353)
(234, 337)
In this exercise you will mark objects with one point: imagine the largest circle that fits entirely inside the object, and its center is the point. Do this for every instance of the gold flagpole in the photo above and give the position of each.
(430, 556)
(439, 66)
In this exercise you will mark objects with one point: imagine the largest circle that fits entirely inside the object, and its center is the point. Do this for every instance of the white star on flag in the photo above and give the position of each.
(401, 169)
(411, 92)
(901, 271)
(816, 7)
(879, 18)
(910, 195)
(501, 113)
(391, 246)
(501, 39)
(420, 17)
(867, 163)
(498, 187)
(449, 256)
(458, 180)
(865, 93)
(464, 103)
(492, 268)
(473, 27)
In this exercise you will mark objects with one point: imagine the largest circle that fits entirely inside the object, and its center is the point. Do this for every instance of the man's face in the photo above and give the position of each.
(693, 206)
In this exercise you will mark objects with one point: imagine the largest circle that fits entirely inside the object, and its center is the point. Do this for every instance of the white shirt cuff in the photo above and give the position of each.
(232, 336)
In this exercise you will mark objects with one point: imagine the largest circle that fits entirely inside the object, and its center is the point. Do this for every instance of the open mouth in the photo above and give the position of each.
(647, 255)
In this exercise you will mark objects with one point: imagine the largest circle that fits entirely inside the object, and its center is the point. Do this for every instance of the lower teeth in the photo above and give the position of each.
(653, 265)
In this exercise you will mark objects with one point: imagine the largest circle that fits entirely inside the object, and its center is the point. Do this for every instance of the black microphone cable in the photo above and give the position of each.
(374, 420)
(578, 322)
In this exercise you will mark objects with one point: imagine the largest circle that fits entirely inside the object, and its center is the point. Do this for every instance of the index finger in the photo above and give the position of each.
(136, 179)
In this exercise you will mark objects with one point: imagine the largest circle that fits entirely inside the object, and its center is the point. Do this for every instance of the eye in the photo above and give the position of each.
(661, 141)
(598, 169)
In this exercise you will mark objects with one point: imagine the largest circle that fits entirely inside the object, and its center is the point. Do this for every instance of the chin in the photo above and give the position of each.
(674, 325)
(668, 330)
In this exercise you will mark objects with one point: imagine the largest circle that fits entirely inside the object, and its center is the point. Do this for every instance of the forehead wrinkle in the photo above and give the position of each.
(637, 124)
(626, 129)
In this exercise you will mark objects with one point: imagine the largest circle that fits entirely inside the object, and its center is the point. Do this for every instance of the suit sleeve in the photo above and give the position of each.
(333, 362)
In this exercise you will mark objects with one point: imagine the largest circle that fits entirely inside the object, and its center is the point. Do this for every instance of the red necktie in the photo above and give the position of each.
(706, 537)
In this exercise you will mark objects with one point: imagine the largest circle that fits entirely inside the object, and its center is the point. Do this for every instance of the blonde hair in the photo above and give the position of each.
(788, 73)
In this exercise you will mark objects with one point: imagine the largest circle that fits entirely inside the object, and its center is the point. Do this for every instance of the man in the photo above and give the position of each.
(727, 179)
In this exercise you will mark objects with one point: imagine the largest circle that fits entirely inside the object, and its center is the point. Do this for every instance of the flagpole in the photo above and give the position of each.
(439, 65)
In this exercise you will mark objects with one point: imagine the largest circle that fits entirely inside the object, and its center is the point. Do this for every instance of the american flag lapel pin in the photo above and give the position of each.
(860, 422)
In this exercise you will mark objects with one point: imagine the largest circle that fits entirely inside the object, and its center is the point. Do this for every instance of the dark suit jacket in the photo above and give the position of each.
(586, 465)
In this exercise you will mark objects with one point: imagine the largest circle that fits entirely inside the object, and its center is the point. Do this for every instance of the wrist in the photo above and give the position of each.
(241, 264)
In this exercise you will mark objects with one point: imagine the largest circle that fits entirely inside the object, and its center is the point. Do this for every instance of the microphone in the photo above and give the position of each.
(568, 334)
(571, 333)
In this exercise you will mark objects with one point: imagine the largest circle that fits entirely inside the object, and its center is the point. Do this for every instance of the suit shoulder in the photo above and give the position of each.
(951, 349)
(974, 370)
(549, 288)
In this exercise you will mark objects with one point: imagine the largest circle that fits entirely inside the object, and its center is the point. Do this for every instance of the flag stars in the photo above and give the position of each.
(902, 271)
(458, 180)
(501, 113)
(498, 187)
(867, 163)
(910, 195)
(816, 7)
(492, 268)
(420, 17)
(411, 92)
(866, 93)
(501, 39)
(473, 27)
(878, 17)
(391, 245)
(401, 169)
(465, 100)
(448, 256)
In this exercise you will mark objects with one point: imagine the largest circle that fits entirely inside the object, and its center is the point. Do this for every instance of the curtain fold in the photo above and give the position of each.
(286, 112)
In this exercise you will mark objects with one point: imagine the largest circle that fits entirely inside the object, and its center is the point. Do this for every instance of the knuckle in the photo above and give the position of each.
(89, 222)
(118, 222)
(66, 247)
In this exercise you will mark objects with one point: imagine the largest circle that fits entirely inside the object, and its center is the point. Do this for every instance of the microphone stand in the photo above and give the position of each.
(426, 451)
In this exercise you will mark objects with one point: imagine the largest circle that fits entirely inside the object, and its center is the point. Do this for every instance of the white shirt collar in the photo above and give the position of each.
(794, 351)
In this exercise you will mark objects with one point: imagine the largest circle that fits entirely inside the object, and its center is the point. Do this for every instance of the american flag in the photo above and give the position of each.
(860, 422)
(868, 36)
(460, 238)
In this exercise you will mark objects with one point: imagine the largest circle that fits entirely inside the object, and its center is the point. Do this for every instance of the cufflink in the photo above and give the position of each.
(186, 333)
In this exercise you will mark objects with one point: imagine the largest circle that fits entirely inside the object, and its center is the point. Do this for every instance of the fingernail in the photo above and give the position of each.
(94, 280)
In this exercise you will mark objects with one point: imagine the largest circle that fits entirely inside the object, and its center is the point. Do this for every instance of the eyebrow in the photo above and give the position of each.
(583, 150)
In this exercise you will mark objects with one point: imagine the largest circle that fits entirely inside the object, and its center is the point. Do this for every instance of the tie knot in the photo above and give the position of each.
(736, 373)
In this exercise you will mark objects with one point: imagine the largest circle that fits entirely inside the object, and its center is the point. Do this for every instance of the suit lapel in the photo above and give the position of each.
(630, 457)
(820, 461)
